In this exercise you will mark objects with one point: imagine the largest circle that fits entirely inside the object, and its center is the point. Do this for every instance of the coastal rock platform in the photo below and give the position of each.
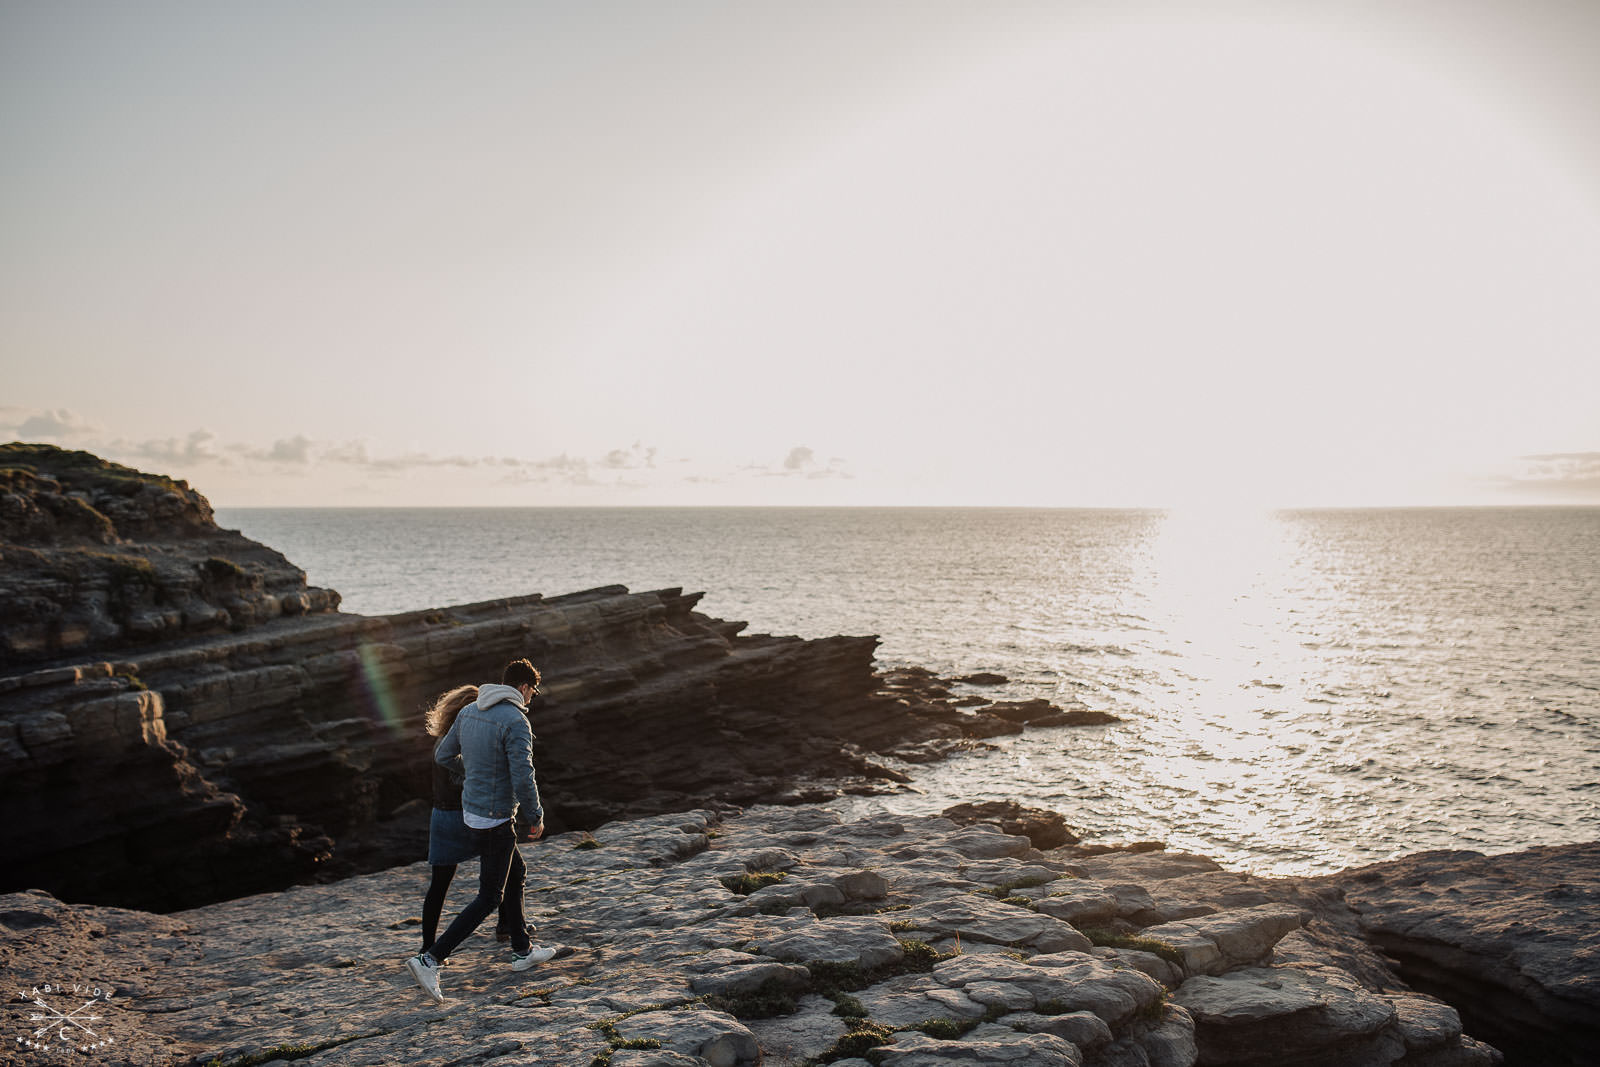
(184, 721)
(779, 935)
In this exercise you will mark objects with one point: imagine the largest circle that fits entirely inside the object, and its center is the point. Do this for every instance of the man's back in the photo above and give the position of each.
(495, 743)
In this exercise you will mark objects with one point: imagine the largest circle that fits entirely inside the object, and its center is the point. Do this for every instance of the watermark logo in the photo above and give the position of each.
(66, 1018)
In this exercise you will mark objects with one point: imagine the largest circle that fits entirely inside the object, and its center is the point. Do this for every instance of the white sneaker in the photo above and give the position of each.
(535, 955)
(426, 972)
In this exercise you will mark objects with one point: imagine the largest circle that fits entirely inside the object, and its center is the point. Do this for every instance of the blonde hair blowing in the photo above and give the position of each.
(445, 707)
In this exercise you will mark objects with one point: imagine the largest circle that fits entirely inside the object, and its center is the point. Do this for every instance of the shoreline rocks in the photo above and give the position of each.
(778, 935)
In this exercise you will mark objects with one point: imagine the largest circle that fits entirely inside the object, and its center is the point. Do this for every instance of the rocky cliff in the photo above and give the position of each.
(784, 936)
(95, 556)
(220, 729)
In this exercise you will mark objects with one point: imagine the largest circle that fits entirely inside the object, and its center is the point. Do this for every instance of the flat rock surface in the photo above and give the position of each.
(1551, 892)
(671, 964)
(1516, 939)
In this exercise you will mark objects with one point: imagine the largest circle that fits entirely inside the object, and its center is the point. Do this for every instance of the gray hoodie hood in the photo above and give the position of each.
(493, 693)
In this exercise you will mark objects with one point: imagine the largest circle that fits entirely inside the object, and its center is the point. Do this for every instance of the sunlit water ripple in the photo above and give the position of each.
(1299, 692)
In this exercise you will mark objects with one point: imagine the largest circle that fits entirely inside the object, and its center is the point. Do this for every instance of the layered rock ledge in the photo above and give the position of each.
(781, 936)
(241, 762)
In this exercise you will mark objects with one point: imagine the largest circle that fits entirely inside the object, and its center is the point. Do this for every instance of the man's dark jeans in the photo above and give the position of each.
(501, 877)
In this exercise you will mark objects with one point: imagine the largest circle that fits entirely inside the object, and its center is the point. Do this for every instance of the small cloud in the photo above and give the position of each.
(802, 461)
(57, 423)
(296, 449)
(562, 464)
(573, 470)
(626, 459)
(199, 447)
(351, 452)
(415, 461)
(834, 469)
(1558, 472)
(522, 476)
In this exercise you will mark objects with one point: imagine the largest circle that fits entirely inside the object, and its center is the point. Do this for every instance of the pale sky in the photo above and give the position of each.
(949, 253)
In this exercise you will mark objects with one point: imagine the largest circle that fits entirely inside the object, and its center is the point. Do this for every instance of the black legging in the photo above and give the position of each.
(501, 875)
(433, 906)
(433, 903)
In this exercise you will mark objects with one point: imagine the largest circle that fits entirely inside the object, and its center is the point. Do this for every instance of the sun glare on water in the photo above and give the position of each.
(1210, 573)
(1220, 583)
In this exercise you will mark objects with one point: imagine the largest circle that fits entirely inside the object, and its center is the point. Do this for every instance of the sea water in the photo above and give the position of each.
(1298, 691)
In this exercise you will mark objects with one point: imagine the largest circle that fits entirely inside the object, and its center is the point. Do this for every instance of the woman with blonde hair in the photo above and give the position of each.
(449, 841)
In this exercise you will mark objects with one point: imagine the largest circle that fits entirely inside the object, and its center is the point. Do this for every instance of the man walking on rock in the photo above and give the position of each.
(495, 743)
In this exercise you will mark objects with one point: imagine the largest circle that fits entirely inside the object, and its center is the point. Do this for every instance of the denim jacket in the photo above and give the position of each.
(495, 743)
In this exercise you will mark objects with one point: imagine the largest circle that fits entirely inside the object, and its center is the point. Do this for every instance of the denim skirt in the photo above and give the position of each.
(449, 839)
